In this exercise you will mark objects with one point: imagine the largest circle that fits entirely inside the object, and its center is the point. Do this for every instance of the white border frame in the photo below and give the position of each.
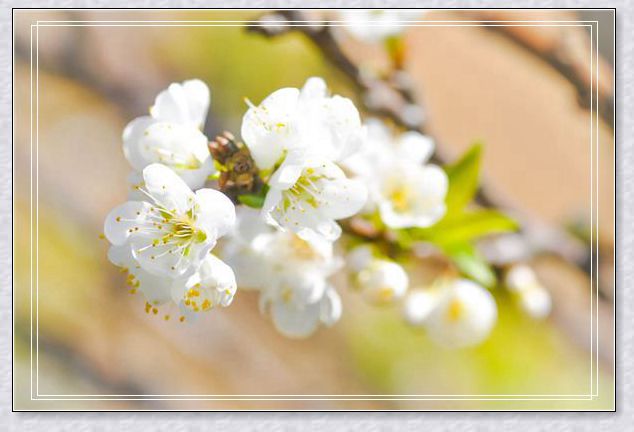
(343, 397)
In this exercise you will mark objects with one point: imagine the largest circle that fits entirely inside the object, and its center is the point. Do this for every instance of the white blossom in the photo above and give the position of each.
(373, 25)
(531, 295)
(403, 187)
(308, 119)
(296, 136)
(171, 134)
(289, 272)
(214, 284)
(309, 197)
(464, 314)
(174, 229)
(380, 280)
(299, 302)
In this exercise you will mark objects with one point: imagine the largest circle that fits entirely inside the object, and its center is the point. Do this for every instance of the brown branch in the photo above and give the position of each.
(563, 55)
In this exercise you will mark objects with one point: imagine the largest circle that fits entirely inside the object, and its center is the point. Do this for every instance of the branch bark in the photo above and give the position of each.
(566, 55)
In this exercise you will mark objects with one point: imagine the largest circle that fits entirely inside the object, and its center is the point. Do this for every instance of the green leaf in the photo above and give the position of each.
(463, 179)
(472, 264)
(469, 226)
(252, 200)
(462, 228)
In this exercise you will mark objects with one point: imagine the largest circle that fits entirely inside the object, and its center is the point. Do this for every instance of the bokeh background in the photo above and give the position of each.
(476, 83)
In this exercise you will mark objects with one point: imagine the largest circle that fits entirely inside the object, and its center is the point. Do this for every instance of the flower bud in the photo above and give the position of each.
(530, 294)
(464, 315)
(382, 281)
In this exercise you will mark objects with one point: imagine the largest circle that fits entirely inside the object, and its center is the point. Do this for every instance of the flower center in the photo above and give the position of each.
(302, 249)
(197, 299)
(304, 191)
(179, 230)
(455, 310)
(401, 198)
(170, 228)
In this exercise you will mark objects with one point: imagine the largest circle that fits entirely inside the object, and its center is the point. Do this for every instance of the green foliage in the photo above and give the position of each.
(463, 179)
(471, 263)
(466, 227)
(252, 200)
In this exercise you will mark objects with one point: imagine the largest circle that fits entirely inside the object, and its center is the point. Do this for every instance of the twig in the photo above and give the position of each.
(561, 57)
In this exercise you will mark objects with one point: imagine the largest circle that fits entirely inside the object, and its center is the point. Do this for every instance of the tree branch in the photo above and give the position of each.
(563, 56)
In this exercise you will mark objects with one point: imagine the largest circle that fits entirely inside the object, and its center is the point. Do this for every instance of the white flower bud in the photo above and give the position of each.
(531, 295)
(418, 306)
(464, 315)
(382, 281)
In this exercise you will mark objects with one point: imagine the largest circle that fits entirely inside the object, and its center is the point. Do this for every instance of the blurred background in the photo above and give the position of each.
(519, 90)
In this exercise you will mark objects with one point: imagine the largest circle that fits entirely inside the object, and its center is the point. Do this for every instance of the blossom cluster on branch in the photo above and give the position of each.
(310, 190)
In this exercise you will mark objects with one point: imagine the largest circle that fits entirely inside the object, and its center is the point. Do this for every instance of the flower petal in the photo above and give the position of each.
(168, 260)
(133, 134)
(330, 307)
(122, 220)
(214, 284)
(216, 212)
(167, 188)
(314, 88)
(183, 148)
(198, 96)
(269, 129)
(185, 103)
(415, 147)
(290, 170)
(156, 290)
(343, 198)
(295, 321)
(219, 279)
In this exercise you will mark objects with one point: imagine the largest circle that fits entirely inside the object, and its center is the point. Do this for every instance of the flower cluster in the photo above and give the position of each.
(289, 272)
(305, 162)
(297, 136)
(163, 237)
